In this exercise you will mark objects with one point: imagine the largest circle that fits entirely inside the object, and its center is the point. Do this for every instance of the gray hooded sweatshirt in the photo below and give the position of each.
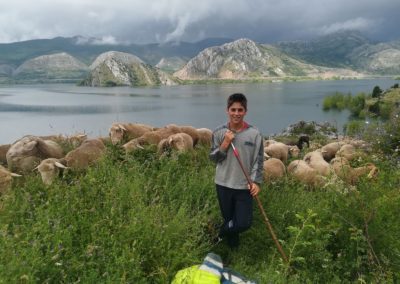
(249, 144)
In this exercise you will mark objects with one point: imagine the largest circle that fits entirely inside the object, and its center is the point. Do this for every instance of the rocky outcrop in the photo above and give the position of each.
(244, 59)
(123, 69)
(59, 66)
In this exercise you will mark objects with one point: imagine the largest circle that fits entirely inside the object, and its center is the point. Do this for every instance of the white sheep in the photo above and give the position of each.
(301, 171)
(273, 169)
(49, 169)
(6, 179)
(3, 152)
(316, 161)
(122, 132)
(86, 154)
(281, 151)
(205, 136)
(180, 142)
(347, 151)
(190, 130)
(26, 153)
(329, 150)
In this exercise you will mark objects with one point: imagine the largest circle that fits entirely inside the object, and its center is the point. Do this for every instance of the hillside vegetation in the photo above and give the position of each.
(139, 218)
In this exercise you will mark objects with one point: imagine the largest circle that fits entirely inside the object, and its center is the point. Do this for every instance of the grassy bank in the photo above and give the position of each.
(139, 219)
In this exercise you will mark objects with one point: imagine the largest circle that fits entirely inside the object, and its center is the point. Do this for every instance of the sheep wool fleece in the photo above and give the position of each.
(249, 144)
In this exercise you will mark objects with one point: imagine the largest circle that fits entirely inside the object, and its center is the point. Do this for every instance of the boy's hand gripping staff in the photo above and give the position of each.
(266, 220)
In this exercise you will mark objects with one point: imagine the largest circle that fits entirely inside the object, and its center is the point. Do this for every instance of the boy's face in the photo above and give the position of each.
(236, 113)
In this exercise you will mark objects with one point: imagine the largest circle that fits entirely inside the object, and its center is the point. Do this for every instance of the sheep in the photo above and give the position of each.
(269, 142)
(122, 132)
(347, 151)
(192, 132)
(273, 169)
(5, 179)
(281, 151)
(3, 152)
(151, 138)
(27, 152)
(180, 142)
(86, 154)
(329, 150)
(49, 169)
(316, 161)
(303, 139)
(344, 171)
(301, 171)
(205, 136)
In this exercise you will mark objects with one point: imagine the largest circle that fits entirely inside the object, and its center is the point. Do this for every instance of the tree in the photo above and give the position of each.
(377, 92)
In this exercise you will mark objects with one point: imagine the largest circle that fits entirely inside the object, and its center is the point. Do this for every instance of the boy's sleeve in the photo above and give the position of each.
(258, 169)
(216, 155)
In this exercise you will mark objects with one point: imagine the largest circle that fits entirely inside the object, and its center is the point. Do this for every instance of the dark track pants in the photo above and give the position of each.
(237, 210)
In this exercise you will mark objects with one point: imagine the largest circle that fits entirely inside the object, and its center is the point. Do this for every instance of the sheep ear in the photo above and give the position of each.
(122, 127)
(140, 146)
(36, 168)
(15, 175)
(58, 164)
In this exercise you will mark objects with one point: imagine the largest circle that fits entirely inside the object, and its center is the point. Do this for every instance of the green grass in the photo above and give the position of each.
(140, 218)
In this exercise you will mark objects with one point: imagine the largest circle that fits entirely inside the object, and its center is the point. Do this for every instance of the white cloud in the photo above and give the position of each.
(359, 23)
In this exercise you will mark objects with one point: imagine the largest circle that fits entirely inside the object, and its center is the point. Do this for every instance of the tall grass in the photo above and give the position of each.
(140, 218)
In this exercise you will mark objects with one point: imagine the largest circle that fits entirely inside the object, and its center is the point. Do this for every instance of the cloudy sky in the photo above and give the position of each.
(144, 21)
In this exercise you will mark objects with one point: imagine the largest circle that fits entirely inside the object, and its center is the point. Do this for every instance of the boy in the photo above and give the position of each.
(235, 195)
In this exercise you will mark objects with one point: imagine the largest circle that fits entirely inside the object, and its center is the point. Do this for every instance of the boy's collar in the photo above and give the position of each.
(245, 126)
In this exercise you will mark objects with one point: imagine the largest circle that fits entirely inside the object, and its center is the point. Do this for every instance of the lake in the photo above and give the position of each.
(69, 109)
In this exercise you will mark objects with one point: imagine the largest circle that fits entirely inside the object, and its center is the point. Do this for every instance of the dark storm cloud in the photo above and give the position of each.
(165, 20)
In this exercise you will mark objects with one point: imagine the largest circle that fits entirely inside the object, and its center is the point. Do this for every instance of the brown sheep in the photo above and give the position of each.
(205, 136)
(85, 155)
(301, 171)
(49, 169)
(329, 150)
(348, 174)
(122, 132)
(273, 169)
(347, 151)
(192, 132)
(26, 153)
(5, 179)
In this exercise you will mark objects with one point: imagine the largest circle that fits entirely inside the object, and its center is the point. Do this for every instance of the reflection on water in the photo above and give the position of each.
(67, 109)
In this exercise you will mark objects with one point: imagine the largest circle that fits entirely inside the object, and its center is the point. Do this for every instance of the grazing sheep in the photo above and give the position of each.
(281, 151)
(122, 132)
(329, 150)
(301, 171)
(192, 132)
(151, 138)
(86, 154)
(205, 136)
(180, 142)
(316, 161)
(273, 169)
(344, 171)
(49, 169)
(303, 139)
(3, 152)
(26, 153)
(73, 140)
(5, 179)
(269, 142)
(347, 151)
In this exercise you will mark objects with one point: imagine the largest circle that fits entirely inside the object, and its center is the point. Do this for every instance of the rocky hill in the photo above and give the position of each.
(171, 64)
(244, 59)
(59, 67)
(115, 68)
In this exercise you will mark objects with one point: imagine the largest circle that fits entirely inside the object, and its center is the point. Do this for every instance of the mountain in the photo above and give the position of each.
(245, 59)
(115, 68)
(171, 64)
(59, 66)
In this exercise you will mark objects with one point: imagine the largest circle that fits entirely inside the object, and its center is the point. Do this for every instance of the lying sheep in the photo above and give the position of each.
(26, 153)
(205, 136)
(281, 151)
(3, 152)
(49, 169)
(74, 140)
(6, 179)
(180, 142)
(329, 150)
(122, 132)
(301, 171)
(151, 138)
(273, 169)
(347, 173)
(316, 161)
(347, 151)
(86, 154)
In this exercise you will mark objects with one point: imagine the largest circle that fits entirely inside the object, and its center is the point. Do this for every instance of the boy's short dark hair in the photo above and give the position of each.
(237, 98)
